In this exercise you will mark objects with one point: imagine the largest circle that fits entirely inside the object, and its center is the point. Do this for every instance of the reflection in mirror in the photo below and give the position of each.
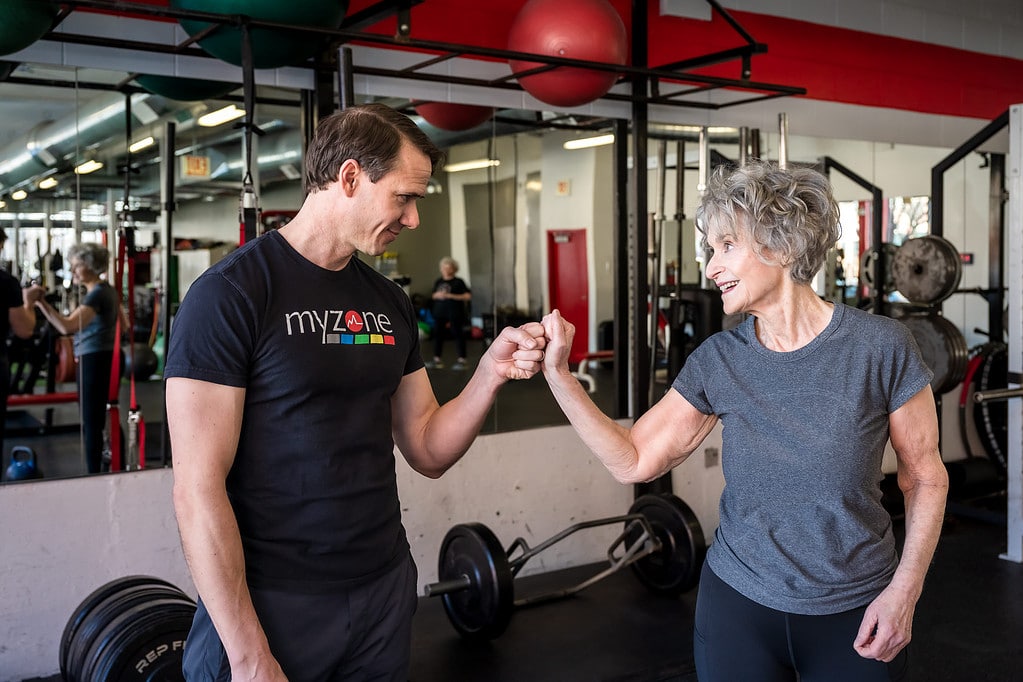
(531, 224)
(501, 223)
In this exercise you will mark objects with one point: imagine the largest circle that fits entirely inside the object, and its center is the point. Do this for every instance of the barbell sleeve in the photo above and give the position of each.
(462, 582)
(997, 395)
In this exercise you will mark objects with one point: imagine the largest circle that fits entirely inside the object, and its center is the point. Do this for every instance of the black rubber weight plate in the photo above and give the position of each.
(483, 610)
(675, 568)
(95, 598)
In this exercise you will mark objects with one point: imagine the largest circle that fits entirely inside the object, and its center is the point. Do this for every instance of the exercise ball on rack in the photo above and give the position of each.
(449, 116)
(589, 30)
(271, 47)
(139, 361)
(184, 89)
(24, 22)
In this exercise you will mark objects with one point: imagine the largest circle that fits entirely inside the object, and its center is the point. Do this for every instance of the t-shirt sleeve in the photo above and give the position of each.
(11, 292)
(414, 361)
(213, 333)
(908, 373)
(690, 382)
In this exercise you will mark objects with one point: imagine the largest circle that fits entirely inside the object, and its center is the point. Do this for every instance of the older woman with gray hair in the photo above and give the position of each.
(93, 324)
(803, 579)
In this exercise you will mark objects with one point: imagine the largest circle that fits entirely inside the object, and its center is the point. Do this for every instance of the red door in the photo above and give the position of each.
(568, 278)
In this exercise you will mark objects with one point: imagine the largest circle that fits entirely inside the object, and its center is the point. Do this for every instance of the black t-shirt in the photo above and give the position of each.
(447, 308)
(10, 297)
(320, 353)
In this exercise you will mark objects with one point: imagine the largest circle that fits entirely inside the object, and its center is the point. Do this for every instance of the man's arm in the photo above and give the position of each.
(661, 439)
(204, 420)
(23, 318)
(888, 622)
(433, 437)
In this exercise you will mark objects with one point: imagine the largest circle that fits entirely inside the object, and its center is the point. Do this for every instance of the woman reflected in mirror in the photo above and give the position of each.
(93, 323)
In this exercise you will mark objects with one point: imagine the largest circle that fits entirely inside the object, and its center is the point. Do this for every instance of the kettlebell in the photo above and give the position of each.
(23, 465)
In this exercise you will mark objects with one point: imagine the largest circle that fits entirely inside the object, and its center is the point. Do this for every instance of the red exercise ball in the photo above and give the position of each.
(589, 30)
(447, 116)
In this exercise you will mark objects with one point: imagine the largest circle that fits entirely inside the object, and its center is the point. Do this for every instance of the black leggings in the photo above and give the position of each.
(738, 639)
(93, 391)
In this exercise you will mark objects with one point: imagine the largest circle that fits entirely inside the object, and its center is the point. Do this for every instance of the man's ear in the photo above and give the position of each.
(349, 175)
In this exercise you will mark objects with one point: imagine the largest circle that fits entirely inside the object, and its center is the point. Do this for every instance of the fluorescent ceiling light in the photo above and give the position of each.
(19, 194)
(141, 144)
(585, 142)
(90, 166)
(220, 116)
(471, 165)
(48, 183)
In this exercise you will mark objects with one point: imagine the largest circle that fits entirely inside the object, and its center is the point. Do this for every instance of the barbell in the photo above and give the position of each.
(662, 542)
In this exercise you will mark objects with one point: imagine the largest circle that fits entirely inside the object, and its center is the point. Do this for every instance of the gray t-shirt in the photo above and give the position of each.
(802, 527)
(98, 335)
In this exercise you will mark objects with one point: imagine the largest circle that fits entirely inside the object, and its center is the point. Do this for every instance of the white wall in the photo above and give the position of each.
(64, 538)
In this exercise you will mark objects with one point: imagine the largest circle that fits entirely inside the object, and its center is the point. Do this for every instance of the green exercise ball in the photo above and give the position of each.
(270, 47)
(24, 22)
(184, 89)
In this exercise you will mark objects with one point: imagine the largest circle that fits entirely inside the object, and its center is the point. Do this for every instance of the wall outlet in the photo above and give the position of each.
(711, 457)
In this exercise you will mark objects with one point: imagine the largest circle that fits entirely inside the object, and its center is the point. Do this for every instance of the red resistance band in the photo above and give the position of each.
(136, 424)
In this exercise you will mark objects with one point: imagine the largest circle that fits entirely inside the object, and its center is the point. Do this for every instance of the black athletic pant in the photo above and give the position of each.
(361, 634)
(737, 639)
(93, 391)
(457, 327)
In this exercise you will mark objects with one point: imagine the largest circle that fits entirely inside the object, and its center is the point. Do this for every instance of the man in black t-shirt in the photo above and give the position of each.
(20, 319)
(294, 371)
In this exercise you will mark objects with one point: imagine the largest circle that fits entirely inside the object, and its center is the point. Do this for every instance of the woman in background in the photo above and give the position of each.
(94, 326)
(451, 296)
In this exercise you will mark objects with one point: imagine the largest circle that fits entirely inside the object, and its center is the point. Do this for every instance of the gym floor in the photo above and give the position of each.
(967, 626)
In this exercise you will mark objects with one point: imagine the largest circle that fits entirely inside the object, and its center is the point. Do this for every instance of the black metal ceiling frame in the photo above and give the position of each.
(670, 75)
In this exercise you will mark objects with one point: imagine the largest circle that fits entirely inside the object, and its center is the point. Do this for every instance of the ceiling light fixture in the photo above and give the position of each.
(220, 116)
(90, 166)
(19, 194)
(3, 204)
(471, 165)
(141, 144)
(48, 183)
(584, 142)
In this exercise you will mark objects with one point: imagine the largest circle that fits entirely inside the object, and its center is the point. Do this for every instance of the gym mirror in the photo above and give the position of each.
(495, 221)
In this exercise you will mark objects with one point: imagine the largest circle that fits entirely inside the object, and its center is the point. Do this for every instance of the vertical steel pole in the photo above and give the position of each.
(1014, 281)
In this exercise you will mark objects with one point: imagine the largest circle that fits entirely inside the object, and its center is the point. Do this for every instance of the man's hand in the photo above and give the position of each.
(517, 352)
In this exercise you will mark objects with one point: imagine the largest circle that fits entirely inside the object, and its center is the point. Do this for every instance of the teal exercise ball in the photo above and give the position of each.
(24, 22)
(271, 48)
(184, 89)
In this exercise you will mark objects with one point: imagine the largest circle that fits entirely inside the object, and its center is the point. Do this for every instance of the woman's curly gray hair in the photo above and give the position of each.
(788, 215)
(91, 255)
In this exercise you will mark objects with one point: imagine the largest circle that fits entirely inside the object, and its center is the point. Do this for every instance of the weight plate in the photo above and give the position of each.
(482, 610)
(943, 348)
(91, 602)
(79, 658)
(675, 568)
(927, 269)
(992, 418)
(868, 262)
(146, 642)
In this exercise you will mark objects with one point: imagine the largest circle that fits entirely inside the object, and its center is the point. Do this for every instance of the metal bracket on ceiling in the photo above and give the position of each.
(677, 72)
